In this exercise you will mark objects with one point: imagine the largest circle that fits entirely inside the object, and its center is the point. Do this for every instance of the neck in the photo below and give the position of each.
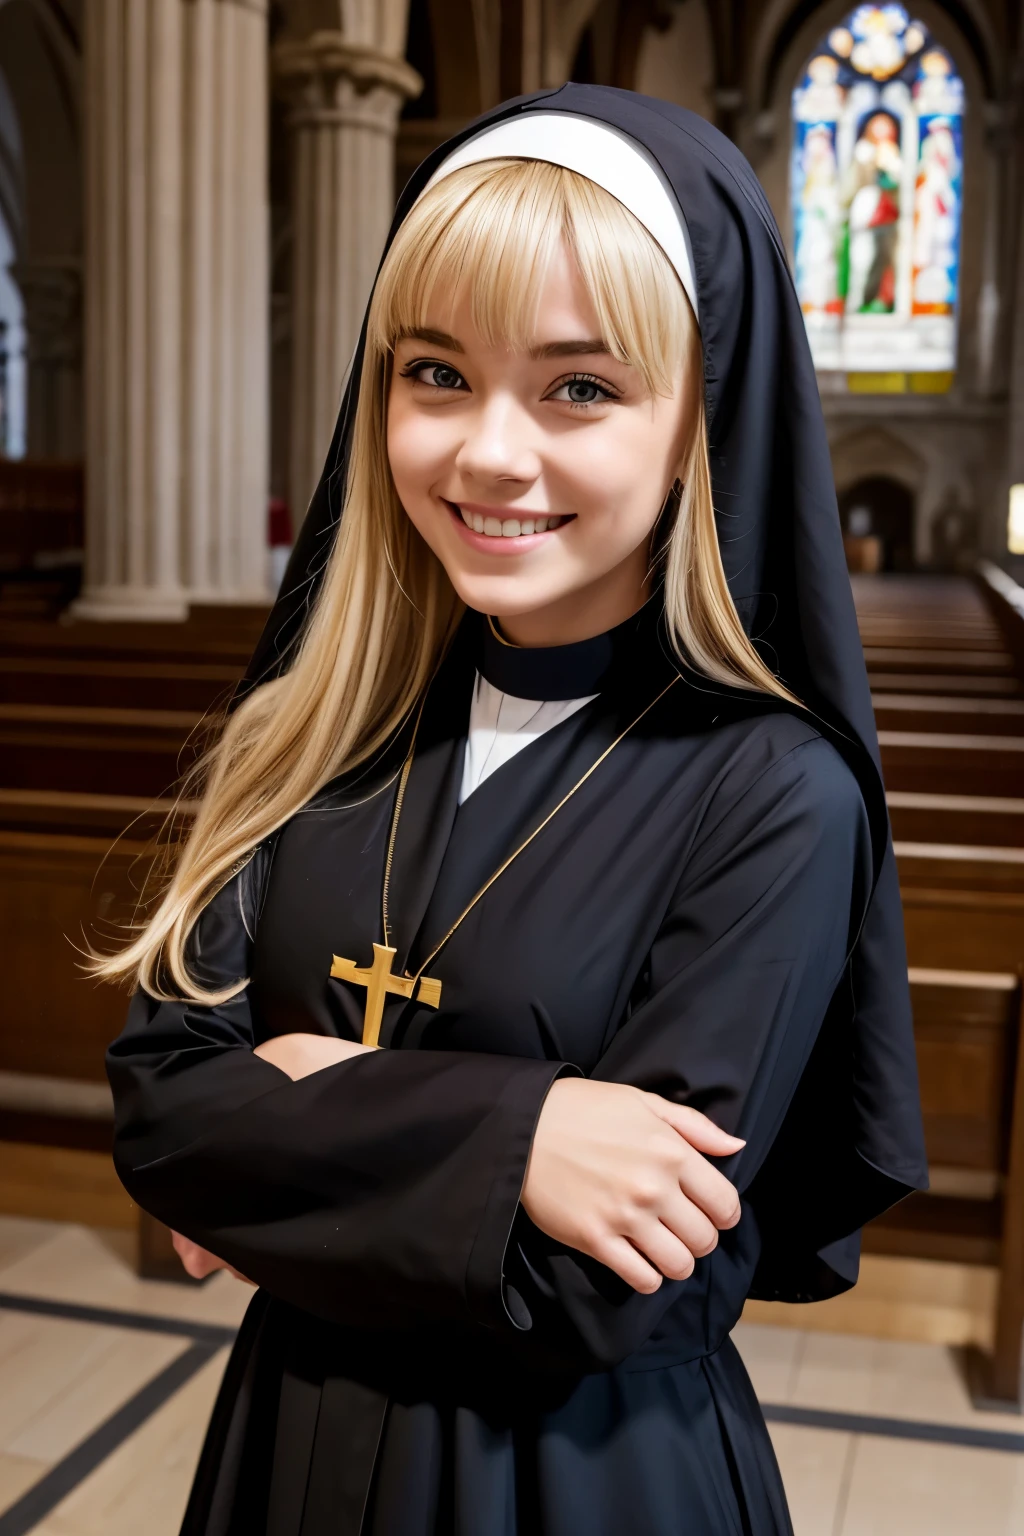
(579, 615)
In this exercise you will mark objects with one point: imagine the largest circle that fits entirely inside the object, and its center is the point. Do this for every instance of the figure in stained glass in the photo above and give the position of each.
(876, 188)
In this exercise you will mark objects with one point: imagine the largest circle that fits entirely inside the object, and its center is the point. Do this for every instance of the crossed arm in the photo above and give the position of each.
(613, 1172)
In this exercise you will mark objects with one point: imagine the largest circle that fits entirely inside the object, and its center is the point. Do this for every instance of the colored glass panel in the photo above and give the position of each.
(876, 189)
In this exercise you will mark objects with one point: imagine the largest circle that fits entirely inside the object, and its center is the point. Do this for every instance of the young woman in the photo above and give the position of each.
(544, 862)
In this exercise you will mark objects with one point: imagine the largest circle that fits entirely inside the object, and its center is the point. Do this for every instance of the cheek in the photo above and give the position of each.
(619, 476)
(418, 450)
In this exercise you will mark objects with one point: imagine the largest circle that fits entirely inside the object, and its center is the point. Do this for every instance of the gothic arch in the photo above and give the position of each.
(785, 28)
(40, 50)
(868, 451)
(769, 137)
(874, 453)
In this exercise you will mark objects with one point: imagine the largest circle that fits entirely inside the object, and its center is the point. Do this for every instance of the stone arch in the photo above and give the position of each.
(772, 75)
(883, 506)
(782, 23)
(877, 451)
(40, 50)
(938, 488)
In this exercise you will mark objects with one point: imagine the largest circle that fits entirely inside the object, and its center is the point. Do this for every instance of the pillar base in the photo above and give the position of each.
(209, 597)
(129, 605)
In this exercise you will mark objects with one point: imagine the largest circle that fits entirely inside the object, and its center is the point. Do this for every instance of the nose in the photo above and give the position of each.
(498, 446)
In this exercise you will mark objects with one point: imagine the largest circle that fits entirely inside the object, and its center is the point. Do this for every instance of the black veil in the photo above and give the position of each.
(779, 534)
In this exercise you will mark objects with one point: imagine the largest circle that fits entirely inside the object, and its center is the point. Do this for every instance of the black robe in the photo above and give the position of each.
(419, 1358)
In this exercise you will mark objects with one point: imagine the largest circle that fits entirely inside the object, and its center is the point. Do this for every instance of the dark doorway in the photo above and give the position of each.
(883, 508)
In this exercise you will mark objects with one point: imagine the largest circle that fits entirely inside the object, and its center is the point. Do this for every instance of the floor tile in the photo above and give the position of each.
(815, 1465)
(889, 1379)
(17, 1474)
(771, 1356)
(93, 1267)
(18, 1236)
(904, 1488)
(39, 1359)
(143, 1486)
(99, 1387)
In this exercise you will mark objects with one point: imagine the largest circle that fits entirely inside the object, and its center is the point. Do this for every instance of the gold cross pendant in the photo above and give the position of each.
(379, 980)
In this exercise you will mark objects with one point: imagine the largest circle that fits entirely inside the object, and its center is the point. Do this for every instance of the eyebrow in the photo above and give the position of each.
(577, 347)
(431, 337)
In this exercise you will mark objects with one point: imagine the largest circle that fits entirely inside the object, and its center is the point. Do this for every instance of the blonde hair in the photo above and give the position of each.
(386, 610)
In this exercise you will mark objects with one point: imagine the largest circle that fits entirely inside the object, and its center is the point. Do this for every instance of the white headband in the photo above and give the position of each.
(604, 155)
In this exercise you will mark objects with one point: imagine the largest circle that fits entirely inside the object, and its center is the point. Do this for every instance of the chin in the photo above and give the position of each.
(503, 597)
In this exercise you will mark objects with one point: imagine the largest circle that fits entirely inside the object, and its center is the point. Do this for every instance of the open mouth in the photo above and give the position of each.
(489, 526)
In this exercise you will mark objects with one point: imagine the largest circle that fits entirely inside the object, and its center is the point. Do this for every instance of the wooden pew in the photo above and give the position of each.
(93, 722)
(223, 637)
(991, 819)
(55, 888)
(966, 684)
(949, 660)
(953, 763)
(945, 713)
(67, 876)
(969, 1047)
(116, 683)
(97, 750)
(933, 634)
(953, 866)
(965, 930)
(73, 814)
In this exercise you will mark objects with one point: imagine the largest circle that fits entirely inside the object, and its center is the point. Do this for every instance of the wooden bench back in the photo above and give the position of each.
(967, 1027)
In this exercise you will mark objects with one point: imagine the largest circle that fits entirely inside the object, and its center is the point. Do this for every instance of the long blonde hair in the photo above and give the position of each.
(386, 610)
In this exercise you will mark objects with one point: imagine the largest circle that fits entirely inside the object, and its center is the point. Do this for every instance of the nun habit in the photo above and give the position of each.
(712, 916)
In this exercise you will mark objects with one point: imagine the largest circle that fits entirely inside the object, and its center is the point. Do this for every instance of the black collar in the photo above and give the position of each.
(554, 671)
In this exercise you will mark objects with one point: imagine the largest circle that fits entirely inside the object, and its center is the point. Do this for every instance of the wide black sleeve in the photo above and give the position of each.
(749, 963)
(380, 1191)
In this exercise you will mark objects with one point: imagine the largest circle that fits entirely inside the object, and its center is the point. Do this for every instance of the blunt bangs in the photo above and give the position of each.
(490, 231)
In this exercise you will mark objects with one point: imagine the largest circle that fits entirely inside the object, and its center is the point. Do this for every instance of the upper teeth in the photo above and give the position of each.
(507, 528)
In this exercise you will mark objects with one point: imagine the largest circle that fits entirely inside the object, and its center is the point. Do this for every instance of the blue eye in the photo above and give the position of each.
(580, 391)
(444, 377)
(437, 375)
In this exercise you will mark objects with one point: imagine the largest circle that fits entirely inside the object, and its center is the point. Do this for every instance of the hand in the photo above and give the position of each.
(618, 1174)
(299, 1055)
(200, 1262)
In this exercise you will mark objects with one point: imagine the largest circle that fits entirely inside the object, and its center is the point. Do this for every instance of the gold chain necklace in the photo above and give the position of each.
(378, 978)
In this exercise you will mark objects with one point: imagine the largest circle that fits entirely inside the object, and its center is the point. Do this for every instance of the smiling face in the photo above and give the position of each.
(536, 474)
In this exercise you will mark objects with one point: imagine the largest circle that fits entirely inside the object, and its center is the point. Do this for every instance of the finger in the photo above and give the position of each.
(618, 1254)
(660, 1245)
(709, 1189)
(198, 1263)
(689, 1225)
(696, 1128)
(188, 1251)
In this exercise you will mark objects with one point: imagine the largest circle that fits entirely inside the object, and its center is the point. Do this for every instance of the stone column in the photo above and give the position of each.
(990, 350)
(52, 295)
(1015, 296)
(346, 97)
(132, 88)
(225, 298)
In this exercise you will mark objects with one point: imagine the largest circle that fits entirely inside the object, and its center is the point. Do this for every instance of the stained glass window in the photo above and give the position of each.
(876, 186)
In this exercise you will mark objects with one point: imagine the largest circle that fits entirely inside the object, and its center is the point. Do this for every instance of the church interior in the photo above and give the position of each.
(193, 199)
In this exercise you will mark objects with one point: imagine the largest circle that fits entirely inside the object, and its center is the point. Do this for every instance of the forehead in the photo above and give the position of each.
(560, 310)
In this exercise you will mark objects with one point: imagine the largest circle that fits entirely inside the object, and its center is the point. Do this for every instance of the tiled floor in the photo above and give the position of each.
(65, 1381)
